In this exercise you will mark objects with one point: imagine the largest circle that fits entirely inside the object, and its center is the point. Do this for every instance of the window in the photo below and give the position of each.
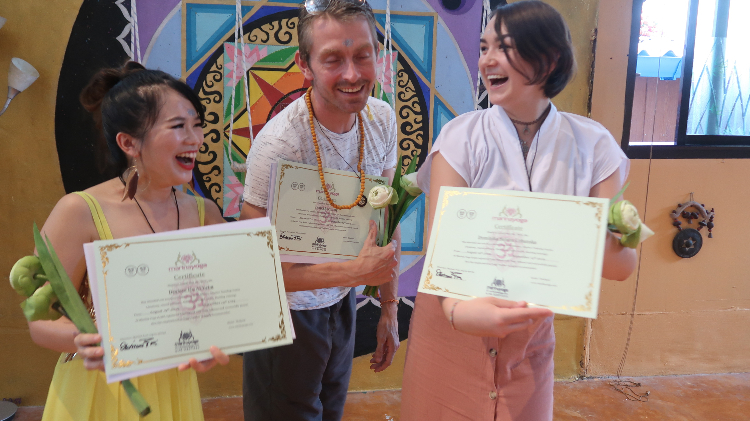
(688, 87)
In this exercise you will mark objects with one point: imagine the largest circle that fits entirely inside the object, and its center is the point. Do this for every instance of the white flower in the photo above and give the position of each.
(409, 183)
(629, 216)
(382, 196)
(624, 216)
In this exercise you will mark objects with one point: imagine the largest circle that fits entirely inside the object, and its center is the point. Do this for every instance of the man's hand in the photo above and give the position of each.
(387, 338)
(374, 265)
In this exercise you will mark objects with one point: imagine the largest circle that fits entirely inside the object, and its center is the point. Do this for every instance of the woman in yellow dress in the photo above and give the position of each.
(152, 126)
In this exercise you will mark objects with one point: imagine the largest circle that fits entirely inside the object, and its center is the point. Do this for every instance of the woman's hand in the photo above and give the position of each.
(203, 366)
(489, 316)
(87, 345)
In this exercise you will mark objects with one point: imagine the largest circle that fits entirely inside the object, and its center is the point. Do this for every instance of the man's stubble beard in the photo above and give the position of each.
(343, 106)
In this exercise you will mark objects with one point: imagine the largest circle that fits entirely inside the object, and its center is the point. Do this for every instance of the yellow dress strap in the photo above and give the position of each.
(201, 209)
(96, 212)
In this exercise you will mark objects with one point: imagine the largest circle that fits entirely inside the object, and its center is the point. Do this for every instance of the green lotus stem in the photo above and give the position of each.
(75, 309)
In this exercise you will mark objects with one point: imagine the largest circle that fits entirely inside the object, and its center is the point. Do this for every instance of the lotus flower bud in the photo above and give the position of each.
(409, 183)
(624, 216)
(37, 307)
(27, 275)
(382, 196)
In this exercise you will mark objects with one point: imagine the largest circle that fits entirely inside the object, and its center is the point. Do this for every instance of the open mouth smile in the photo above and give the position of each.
(496, 80)
(186, 160)
(352, 90)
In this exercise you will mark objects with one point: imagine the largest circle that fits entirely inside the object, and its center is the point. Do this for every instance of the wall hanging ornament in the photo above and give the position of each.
(688, 241)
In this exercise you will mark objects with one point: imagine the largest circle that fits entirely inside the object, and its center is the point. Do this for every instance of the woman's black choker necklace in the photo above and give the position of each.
(174, 194)
(531, 123)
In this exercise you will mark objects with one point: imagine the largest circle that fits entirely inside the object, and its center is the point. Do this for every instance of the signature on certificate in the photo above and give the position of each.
(450, 274)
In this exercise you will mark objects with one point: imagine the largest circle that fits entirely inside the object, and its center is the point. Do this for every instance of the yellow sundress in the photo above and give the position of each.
(77, 394)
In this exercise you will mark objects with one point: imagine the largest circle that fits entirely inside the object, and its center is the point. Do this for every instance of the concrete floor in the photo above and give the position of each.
(720, 397)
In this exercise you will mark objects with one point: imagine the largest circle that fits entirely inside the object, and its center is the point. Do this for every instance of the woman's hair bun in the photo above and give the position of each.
(128, 100)
(105, 79)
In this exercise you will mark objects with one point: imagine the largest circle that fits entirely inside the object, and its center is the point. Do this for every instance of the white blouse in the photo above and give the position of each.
(569, 155)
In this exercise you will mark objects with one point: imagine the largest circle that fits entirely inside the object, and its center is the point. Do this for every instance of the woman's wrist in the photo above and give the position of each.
(449, 307)
(452, 313)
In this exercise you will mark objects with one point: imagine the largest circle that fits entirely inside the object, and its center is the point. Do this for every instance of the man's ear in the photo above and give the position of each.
(129, 145)
(304, 66)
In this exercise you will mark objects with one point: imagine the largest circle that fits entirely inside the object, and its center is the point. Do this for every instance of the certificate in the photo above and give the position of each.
(544, 249)
(165, 298)
(310, 230)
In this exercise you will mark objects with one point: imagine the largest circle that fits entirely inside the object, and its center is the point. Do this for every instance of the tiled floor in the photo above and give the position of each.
(723, 397)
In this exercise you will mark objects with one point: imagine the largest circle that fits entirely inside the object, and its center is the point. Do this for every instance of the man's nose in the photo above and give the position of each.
(351, 72)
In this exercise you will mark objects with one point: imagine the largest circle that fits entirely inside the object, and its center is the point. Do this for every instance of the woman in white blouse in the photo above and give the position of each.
(488, 358)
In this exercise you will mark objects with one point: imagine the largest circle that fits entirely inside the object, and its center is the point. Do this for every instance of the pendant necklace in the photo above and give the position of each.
(530, 170)
(531, 123)
(322, 131)
(174, 194)
(525, 148)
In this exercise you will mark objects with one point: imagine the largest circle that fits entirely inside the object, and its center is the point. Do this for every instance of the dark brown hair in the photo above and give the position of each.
(341, 10)
(128, 100)
(542, 39)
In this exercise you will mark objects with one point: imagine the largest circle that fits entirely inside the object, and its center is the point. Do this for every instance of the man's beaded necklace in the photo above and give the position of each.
(320, 164)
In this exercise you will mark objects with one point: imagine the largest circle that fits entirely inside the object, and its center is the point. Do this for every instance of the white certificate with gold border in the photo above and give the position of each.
(310, 230)
(165, 298)
(545, 249)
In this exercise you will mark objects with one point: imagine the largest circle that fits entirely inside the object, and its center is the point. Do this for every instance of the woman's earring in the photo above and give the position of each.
(131, 183)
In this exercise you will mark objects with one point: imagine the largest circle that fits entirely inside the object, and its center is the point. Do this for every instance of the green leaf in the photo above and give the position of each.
(72, 304)
(412, 165)
(617, 196)
(397, 174)
(138, 401)
(403, 210)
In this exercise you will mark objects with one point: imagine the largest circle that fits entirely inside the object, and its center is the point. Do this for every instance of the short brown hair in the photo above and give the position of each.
(340, 10)
(542, 39)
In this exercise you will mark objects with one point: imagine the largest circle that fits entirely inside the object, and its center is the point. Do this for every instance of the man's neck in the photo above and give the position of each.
(330, 117)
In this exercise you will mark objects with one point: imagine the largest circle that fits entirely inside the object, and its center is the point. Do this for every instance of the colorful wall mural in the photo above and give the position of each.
(432, 83)
(434, 76)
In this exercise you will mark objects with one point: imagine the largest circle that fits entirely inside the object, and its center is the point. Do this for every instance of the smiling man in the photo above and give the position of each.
(336, 119)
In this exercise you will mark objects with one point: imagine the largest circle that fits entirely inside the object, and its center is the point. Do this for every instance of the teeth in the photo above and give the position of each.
(188, 155)
(350, 90)
(490, 77)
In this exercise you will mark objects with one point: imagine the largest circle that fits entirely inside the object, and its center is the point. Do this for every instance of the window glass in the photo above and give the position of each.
(656, 98)
(720, 88)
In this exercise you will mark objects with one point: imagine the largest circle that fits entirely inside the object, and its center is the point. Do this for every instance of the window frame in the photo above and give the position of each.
(686, 146)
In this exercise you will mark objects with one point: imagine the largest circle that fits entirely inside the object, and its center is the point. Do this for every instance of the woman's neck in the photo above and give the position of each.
(527, 111)
(154, 195)
(528, 118)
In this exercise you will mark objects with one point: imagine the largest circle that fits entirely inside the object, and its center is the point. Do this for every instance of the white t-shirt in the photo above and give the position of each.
(570, 154)
(288, 136)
